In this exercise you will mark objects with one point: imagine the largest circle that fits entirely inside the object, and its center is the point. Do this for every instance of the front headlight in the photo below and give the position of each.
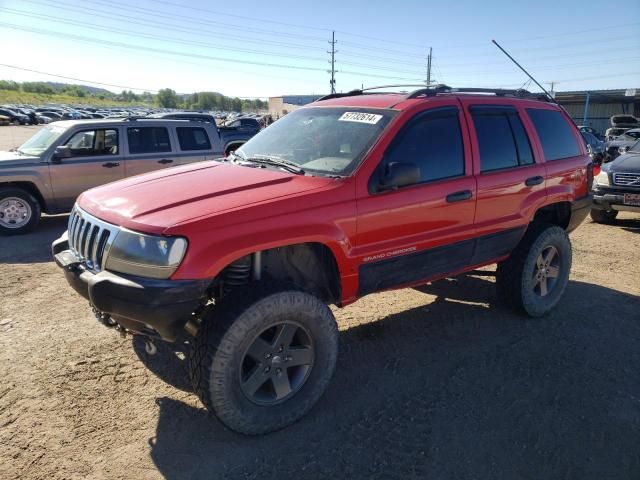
(145, 255)
(602, 178)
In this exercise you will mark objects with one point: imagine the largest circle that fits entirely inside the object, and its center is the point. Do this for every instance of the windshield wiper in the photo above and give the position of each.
(275, 161)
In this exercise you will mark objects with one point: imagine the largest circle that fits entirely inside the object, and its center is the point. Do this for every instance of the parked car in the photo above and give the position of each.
(244, 124)
(43, 118)
(617, 187)
(61, 160)
(4, 120)
(627, 139)
(613, 132)
(348, 196)
(15, 117)
(232, 137)
(624, 120)
(596, 147)
(592, 131)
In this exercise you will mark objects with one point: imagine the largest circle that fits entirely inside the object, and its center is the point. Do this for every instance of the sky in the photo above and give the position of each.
(276, 47)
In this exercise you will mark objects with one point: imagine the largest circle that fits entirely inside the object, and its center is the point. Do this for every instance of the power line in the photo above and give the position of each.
(68, 36)
(77, 79)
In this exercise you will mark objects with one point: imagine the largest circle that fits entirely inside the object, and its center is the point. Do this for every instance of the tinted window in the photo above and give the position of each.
(148, 140)
(556, 135)
(432, 141)
(502, 139)
(191, 138)
(94, 142)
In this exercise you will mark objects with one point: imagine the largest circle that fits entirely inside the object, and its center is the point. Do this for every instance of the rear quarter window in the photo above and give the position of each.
(555, 134)
(193, 138)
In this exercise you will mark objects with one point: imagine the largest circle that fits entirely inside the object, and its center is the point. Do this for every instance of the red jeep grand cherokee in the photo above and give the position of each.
(351, 195)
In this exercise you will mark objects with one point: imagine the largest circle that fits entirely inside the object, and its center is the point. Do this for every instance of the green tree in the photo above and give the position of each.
(167, 98)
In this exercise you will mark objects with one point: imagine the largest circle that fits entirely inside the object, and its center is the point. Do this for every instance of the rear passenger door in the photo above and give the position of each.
(148, 148)
(511, 180)
(194, 144)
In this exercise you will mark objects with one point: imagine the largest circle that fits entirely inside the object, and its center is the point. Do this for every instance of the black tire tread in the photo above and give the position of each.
(215, 323)
(509, 272)
(603, 216)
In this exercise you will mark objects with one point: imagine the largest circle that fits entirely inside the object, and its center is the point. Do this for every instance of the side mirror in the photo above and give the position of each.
(62, 151)
(399, 174)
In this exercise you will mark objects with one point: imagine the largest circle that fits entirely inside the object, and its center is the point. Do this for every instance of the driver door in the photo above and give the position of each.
(96, 159)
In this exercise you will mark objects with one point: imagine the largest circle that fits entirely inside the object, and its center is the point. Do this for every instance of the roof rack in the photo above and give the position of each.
(499, 92)
(432, 90)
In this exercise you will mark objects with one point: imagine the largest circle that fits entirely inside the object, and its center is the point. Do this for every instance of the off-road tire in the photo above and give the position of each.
(603, 216)
(34, 205)
(515, 276)
(226, 332)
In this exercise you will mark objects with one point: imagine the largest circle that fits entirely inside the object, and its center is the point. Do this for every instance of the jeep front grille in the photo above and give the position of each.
(90, 238)
(626, 179)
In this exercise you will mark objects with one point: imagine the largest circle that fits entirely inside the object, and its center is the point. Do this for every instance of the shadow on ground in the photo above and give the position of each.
(35, 246)
(455, 388)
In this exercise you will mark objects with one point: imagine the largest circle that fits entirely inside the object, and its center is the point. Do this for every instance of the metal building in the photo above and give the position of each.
(595, 107)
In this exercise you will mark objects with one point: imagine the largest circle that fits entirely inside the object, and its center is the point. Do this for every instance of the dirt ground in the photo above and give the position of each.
(439, 382)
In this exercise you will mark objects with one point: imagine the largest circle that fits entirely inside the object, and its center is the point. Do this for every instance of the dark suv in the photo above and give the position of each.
(617, 187)
(351, 195)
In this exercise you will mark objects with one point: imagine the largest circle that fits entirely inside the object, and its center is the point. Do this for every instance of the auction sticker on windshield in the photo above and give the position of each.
(360, 117)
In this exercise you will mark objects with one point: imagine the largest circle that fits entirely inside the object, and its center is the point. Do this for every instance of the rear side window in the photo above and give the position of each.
(191, 138)
(148, 140)
(555, 134)
(433, 141)
(502, 139)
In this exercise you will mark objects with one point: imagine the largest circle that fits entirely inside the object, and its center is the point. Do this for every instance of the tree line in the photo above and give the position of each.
(165, 98)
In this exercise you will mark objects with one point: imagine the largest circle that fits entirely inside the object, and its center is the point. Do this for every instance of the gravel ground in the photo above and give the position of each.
(438, 382)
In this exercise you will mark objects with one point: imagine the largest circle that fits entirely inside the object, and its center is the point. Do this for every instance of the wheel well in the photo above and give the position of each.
(233, 145)
(557, 214)
(29, 187)
(310, 266)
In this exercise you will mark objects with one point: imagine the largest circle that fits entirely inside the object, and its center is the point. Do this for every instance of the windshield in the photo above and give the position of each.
(635, 134)
(42, 140)
(320, 139)
(635, 147)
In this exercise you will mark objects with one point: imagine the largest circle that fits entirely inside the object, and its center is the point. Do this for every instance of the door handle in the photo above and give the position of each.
(164, 161)
(111, 164)
(530, 182)
(459, 196)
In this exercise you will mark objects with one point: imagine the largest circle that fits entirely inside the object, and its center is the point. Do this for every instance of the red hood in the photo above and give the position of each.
(156, 201)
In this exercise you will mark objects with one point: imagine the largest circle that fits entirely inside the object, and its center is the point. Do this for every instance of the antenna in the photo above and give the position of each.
(526, 73)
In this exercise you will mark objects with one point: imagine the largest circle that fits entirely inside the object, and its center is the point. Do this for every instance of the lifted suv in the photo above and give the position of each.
(352, 195)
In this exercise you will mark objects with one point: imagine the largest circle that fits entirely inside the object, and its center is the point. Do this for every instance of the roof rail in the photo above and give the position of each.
(499, 92)
(360, 91)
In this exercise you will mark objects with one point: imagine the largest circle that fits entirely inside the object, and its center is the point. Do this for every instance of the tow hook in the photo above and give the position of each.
(150, 347)
(104, 318)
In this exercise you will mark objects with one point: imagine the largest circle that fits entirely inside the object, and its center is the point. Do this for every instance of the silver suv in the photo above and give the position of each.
(62, 160)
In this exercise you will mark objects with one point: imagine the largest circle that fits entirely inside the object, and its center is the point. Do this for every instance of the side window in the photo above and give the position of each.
(502, 139)
(191, 138)
(148, 140)
(555, 134)
(94, 142)
(433, 141)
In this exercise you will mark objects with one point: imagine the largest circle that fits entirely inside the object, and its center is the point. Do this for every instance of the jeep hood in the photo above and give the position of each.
(156, 201)
(9, 159)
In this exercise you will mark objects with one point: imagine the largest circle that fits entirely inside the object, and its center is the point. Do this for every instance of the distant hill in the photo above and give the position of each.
(86, 88)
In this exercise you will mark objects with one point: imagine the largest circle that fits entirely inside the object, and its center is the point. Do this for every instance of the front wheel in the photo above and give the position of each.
(603, 216)
(19, 211)
(533, 279)
(263, 357)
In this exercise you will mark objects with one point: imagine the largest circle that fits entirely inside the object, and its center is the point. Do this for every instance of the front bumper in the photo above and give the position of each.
(613, 199)
(140, 305)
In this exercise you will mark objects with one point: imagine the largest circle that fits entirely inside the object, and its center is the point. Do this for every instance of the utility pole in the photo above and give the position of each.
(333, 52)
(552, 91)
(429, 66)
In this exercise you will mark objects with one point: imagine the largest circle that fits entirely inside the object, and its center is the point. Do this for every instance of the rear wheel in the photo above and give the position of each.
(19, 211)
(533, 279)
(603, 216)
(263, 357)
